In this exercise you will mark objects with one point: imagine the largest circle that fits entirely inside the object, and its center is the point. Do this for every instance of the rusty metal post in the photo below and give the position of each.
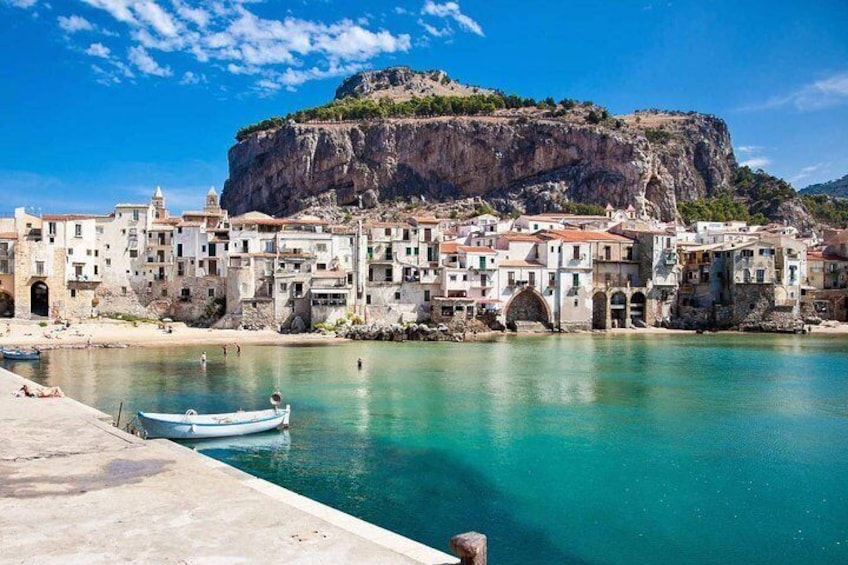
(470, 547)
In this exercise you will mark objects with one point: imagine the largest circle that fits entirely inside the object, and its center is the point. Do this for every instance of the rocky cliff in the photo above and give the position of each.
(529, 159)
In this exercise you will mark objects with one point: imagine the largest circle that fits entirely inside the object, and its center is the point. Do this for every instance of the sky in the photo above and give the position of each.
(103, 100)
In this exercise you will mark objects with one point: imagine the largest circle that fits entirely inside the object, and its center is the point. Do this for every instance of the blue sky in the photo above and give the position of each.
(103, 100)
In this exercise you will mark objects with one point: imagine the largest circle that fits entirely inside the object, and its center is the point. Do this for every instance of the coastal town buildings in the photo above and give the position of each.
(556, 271)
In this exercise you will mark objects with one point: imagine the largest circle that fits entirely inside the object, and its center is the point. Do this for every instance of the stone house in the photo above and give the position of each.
(403, 269)
(466, 284)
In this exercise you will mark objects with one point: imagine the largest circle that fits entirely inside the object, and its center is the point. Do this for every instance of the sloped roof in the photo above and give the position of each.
(473, 249)
(580, 235)
(520, 263)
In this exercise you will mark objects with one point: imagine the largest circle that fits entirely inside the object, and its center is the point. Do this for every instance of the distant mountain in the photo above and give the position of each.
(838, 187)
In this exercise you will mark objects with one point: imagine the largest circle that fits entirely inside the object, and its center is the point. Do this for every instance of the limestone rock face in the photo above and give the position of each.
(532, 164)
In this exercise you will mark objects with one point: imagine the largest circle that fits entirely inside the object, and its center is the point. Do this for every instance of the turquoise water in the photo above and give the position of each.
(562, 449)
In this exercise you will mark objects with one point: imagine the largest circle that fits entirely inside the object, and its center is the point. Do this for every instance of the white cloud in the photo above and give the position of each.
(756, 162)
(73, 24)
(229, 36)
(451, 10)
(118, 9)
(158, 18)
(142, 60)
(25, 4)
(98, 50)
(192, 78)
(197, 16)
(748, 149)
(807, 171)
(817, 95)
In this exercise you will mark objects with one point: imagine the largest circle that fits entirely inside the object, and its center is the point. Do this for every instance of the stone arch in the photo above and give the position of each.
(780, 296)
(527, 306)
(7, 305)
(618, 310)
(637, 306)
(39, 299)
(599, 311)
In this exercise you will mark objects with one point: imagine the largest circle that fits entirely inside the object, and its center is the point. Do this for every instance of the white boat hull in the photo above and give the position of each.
(200, 426)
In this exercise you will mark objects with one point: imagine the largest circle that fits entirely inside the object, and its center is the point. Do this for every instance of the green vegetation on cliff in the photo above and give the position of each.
(721, 209)
(826, 209)
(838, 187)
(352, 108)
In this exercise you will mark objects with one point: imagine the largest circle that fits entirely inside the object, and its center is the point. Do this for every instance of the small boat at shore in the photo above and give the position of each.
(20, 355)
(192, 425)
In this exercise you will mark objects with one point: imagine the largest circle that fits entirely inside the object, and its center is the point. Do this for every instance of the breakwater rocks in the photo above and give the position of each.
(415, 332)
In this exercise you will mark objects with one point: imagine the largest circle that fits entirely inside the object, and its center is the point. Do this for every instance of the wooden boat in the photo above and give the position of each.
(19, 355)
(192, 425)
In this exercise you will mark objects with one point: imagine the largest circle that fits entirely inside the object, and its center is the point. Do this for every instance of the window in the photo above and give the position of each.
(388, 232)
(39, 268)
(510, 278)
(88, 252)
(321, 266)
(453, 278)
(4, 266)
(320, 247)
(96, 270)
(409, 251)
(284, 287)
(181, 268)
(298, 290)
(629, 253)
(133, 253)
(203, 248)
(397, 295)
(551, 279)
(77, 230)
(531, 279)
(108, 262)
(185, 293)
(350, 278)
(124, 290)
(179, 250)
(426, 296)
(135, 215)
(367, 299)
(575, 252)
(164, 292)
(465, 276)
(575, 279)
(73, 293)
(211, 293)
(70, 251)
(389, 275)
(607, 252)
(51, 228)
(761, 275)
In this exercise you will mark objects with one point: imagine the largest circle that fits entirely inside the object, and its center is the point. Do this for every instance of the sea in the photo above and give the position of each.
(620, 448)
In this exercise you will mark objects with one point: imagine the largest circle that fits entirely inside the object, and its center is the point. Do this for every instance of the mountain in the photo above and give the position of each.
(402, 136)
(838, 188)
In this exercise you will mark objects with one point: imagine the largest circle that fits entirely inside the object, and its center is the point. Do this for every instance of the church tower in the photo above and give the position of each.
(158, 203)
(212, 201)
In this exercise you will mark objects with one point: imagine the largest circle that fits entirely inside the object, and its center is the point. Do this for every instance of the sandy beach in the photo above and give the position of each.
(118, 333)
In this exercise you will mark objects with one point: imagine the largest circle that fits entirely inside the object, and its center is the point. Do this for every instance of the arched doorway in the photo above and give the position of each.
(527, 306)
(637, 309)
(39, 299)
(618, 310)
(599, 311)
(7, 306)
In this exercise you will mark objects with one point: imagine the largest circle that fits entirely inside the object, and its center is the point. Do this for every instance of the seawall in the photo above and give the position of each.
(75, 489)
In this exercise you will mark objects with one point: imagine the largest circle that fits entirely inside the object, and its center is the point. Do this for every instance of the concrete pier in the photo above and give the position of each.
(74, 489)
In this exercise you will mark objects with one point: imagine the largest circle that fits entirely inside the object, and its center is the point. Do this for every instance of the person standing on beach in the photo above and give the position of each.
(238, 349)
(224, 347)
(203, 358)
